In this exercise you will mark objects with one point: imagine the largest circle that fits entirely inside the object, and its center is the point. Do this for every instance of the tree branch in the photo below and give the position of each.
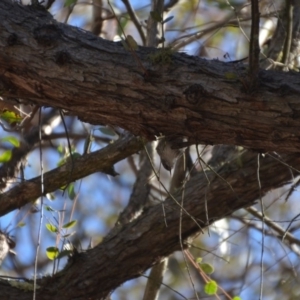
(98, 161)
(80, 279)
(101, 82)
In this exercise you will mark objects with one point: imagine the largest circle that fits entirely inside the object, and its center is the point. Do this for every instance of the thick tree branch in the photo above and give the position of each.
(101, 82)
(129, 247)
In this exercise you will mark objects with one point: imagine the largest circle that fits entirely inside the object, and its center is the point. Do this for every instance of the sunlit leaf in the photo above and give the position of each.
(199, 260)
(21, 224)
(52, 252)
(70, 224)
(236, 298)
(12, 140)
(10, 117)
(211, 288)
(51, 228)
(5, 156)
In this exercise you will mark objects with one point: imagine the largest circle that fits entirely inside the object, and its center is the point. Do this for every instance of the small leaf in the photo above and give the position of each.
(70, 224)
(156, 16)
(69, 2)
(52, 252)
(236, 298)
(211, 288)
(48, 208)
(123, 22)
(167, 19)
(5, 156)
(10, 117)
(21, 224)
(71, 191)
(12, 140)
(131, 42)
(60, 149)
(207, 268)
(199, 260)
(51, 228)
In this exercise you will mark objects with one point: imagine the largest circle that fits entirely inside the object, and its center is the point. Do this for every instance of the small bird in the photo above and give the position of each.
(168, 148)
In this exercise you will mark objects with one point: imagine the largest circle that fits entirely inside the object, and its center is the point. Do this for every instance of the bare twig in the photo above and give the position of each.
(135, 20)
(254, 49)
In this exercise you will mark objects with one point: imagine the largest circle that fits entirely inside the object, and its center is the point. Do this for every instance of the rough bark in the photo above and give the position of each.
(209, 102)
(126, 253)
(56, 65)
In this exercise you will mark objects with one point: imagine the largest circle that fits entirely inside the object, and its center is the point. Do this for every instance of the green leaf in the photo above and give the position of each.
(167, 19)
(211, 288)
(10, 117)
(199, 260)
(236, 298)
(123, 22)
(21, 224)
(52, 252)
(207, 268)
(5, 156)
(48, 208)
(70, 224)
(60, 149)
(69, 3)
(12, 140)
(156, 16)
(130, 44)
(71, 191)
(51, 228)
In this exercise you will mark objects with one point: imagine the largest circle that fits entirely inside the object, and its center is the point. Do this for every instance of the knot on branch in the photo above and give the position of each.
(47, 35)
(194, 93)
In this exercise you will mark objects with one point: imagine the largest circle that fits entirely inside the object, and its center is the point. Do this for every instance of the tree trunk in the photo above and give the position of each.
(146, 92)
